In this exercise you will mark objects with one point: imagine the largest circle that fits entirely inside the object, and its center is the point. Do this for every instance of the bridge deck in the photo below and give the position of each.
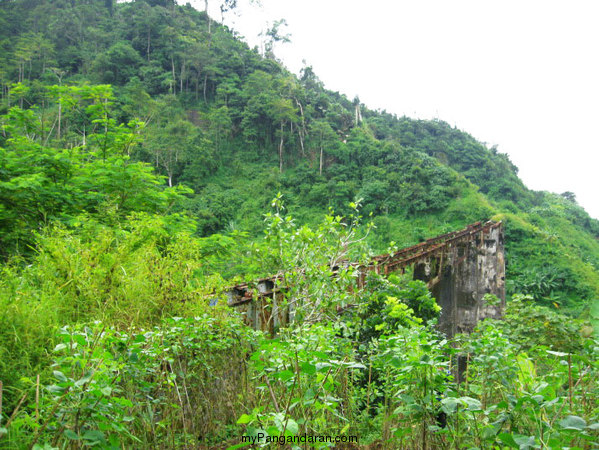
(385, 263)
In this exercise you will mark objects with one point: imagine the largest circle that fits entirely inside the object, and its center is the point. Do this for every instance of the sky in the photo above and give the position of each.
(521, 75)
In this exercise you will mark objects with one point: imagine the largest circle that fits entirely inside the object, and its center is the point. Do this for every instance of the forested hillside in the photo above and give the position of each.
(141, 147)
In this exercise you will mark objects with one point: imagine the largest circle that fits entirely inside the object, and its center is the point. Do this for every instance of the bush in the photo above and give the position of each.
(176, 383)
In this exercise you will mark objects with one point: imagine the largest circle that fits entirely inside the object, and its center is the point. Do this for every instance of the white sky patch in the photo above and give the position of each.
(522, 75)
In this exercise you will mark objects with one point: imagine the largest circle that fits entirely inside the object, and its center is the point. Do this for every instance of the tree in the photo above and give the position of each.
(169, 143)
(273, 36)
(357, 110)
(323, 137)
(40, 183)
(220, 126)
(200, 62)
(118, 64)
(257, 94)
(24, 52)
(227, 6)
(282, 110)
(570, 196)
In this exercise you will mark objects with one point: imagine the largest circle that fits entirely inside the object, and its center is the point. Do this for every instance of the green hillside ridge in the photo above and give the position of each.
(149, 158)
(223, 120)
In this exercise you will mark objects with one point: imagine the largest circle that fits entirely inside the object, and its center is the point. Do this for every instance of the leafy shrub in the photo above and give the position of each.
(173, 383)
(304, 381)
(529, 325)
(524, 402)
(391, 303)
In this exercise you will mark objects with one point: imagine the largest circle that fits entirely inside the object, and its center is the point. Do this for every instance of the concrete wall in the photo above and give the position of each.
(460, 277)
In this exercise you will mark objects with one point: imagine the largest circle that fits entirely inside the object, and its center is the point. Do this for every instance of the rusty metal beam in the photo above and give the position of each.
(269, 286)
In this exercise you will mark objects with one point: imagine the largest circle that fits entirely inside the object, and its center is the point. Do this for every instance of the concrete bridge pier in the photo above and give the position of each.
(461, 274)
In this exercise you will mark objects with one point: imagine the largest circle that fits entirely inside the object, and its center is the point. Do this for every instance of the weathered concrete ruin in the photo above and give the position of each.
(460, 268)
(461, 272)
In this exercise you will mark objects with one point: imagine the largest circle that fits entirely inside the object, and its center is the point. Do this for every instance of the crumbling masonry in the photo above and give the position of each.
(459, 268)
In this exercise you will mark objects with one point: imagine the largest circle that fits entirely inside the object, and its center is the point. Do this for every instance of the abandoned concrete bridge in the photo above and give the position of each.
(459, 268)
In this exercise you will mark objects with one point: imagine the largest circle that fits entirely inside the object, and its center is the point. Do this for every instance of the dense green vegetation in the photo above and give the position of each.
(141, 145)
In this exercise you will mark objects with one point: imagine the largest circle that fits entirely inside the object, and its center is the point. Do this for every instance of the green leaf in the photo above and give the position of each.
(236, 446)
(106, 391)
(60, 347)
(93, 435)
(356, 365)
(508, 439)
(292, 426)
(60, 376)
(70, 434)
(273, 430)
(525, 442)
(85, 379)
(573, 423)
(54, 389)
(471, 404)
(308, 368)
(449, 404)
(123, 401)
(244, 419)
(80, 339)
(285, 375)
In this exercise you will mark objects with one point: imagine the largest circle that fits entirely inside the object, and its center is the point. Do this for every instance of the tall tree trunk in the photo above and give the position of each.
(148, 47)
(42, 120)
(301, 131)
(207, 16)
(181, 76)
(321, 154)
(205, 83)
(281, 150)
(174, 75)
(358, 115)
(59, 116)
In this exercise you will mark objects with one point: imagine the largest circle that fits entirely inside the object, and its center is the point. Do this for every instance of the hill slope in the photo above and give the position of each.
(237, 128)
